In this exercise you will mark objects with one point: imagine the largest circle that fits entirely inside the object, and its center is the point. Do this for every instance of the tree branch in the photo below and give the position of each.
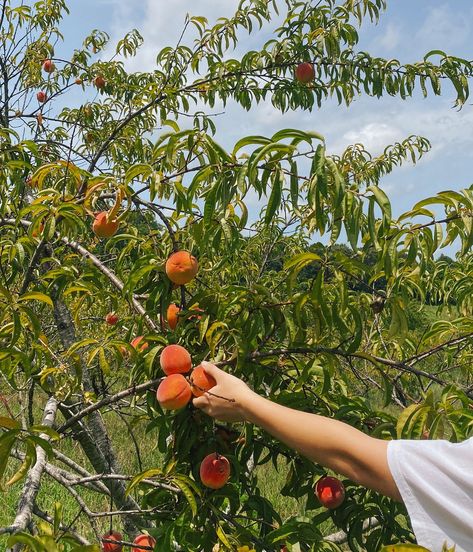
(31, 486)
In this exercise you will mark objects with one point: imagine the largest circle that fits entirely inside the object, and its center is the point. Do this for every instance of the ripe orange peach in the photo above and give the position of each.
(175, 359)
(174, 392)
(139, 344)
(143, 540)
(104, 227)
(200, 381)
(214, 471)
(330, 491)
(181, 267)
(171, 315)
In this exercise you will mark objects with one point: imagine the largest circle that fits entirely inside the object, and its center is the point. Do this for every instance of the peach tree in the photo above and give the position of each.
(319, 298)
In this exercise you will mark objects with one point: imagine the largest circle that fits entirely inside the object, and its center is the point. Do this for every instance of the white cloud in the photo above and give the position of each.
(374, 136)
(443, 29)
(391, 38)
(161, 23)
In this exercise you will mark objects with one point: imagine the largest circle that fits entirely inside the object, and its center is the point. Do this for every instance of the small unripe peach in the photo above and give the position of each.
(110, 546)
(305, 72)
(175, 359)
(330, 491)
(78, 80)
(171, 315)
(143, 540)
(139, 343)
(214, 471)
(41, 96)
(111, 318)
(181, 267)
(200, 381)
(104, 227)
(48, 66)
(174, 392)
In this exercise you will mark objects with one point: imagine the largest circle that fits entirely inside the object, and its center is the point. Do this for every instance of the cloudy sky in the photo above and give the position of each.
(407, 31)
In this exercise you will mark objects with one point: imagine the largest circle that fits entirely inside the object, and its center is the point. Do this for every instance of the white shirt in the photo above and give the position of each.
(435, 480)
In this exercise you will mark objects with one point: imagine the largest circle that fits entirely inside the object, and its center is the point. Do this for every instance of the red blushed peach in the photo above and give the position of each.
(99, 82)
(175, 359)
(200, 381)
(111, 318)
(110, 546)
(143, 540)
(139, 344)
(174, 392)
(214, 471)
(181, 267)
(171, 315)
(41, 96)
(48, 66)
(305, 72)
(103, 226)
(330, 491)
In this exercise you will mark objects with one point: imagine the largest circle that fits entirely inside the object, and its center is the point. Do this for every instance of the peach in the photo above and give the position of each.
(196, 308)
(214, 471)
(143, 540)
(41, 96)
(135, 343)
(175, 359)
(305, 72)
(171, 315)
(200, 381)
(104, 227)
(111, 318)
(110, 546)
(181, 267)
(48, 66)
(99, 82)
(174, 392)
(330, 491)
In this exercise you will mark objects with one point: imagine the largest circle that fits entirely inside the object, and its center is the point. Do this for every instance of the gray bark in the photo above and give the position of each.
(31, 487)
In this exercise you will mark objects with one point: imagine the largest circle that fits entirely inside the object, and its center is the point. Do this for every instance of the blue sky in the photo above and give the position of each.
(407, 31)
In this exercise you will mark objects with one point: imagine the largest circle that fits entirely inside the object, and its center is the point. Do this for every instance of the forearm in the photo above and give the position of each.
(331, 443)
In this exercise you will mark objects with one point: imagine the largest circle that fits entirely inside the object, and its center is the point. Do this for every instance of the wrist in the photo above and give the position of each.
(248, 405)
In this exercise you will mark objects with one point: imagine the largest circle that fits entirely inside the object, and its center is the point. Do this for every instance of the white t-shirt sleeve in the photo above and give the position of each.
(435, 480)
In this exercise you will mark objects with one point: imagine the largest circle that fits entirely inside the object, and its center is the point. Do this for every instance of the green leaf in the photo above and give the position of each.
(29, 460)
(382, 200)
(36, 296)
(9, 423)
(275, 197)
(187, 492)
(7, 440)
(148, 474)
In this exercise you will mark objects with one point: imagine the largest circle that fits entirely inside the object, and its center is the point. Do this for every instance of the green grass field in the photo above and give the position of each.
(270, 480)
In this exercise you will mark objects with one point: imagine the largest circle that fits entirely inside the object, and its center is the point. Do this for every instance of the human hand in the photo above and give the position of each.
(227, 400)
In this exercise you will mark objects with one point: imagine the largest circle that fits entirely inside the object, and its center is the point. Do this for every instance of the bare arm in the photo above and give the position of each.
(331, 443)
